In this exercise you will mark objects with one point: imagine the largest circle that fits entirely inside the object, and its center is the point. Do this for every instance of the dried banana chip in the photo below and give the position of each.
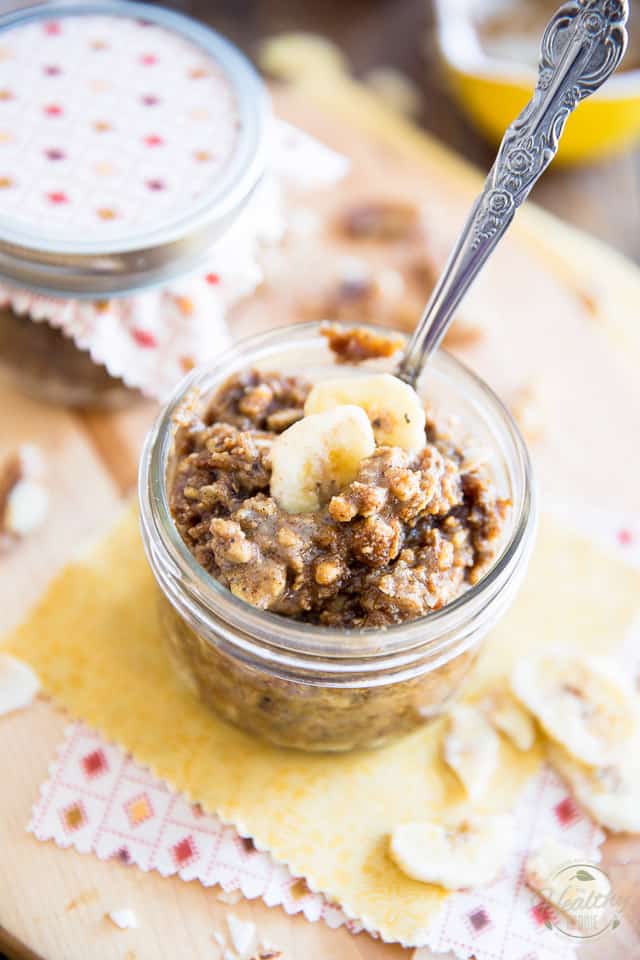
(583, 702)
(509, 717)
(466, 853)
(471, 749)
(610, 793)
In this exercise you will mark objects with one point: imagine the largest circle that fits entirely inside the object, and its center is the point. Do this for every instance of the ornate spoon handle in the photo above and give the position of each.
(582, 45)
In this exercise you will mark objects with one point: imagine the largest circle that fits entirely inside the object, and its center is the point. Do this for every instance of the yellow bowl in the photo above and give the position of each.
(493, 91)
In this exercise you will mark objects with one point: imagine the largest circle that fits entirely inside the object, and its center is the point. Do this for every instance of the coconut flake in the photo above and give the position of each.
(354, 269)
(243, 936)
(23, 500)
(18, 684)
(230, 897)
(390, 283)
(124, 919)
(304, 222)
(26, 508)
(32, 460)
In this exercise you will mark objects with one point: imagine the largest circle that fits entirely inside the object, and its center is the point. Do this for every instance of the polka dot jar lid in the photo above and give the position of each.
(130, 137)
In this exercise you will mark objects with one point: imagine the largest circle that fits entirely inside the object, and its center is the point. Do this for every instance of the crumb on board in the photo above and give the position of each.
(406, 315)
(462, 336)
(11, 473)
(350, 301)
(86, 896)
(18, 684)
(382, 221)
(589, 301)
(299, 889)
(230, 897)
(304, 222)
(423, 274)
(358, 344)
(123, 918)
(244, 936)
(526, 407)
(390, 284)
(23, 499)
(354, 270)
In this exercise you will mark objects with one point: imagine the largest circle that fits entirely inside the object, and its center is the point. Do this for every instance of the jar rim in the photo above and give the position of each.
(292, 636)
(147, 256)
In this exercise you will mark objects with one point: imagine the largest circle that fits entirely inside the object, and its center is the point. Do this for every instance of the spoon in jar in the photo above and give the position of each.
(582, 45)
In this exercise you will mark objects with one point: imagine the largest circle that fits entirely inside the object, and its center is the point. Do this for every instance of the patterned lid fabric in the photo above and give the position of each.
(109, 126)
(116, 131)
(152, 338)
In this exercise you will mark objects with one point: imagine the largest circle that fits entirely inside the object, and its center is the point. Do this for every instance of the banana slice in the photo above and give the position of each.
(471, 749)
(504, 712)
(610, 793)
(583, 702)
(318, 456)
(393, 407)
(466, 853)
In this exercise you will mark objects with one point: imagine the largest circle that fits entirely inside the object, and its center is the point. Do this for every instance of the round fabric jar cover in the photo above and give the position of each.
(129, 136)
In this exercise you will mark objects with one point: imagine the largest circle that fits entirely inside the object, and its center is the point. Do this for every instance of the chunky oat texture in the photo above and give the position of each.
(402, 539)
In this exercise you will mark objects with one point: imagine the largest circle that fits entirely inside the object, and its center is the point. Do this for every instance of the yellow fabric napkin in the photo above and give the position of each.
(95, 644)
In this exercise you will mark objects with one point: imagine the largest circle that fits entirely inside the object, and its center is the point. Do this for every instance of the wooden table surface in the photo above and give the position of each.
(603, 198)
(52, 901)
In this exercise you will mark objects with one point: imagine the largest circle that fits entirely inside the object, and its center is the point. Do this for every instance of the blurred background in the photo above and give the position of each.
(601, 196)
(397, 46)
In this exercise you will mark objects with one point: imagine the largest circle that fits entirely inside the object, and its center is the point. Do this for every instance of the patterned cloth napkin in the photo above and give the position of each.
(98, 800)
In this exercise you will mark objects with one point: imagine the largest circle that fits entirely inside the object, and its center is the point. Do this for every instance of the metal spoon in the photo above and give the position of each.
(582, 45)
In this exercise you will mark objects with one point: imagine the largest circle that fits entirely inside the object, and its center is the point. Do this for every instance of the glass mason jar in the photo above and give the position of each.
(133, 137)
(319, 688)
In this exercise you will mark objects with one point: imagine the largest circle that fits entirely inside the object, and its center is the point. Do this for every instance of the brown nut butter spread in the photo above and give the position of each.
(404, 538)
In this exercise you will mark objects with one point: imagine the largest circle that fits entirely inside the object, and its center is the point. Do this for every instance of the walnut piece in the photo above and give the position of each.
(381, 220)
(358, 344)
(462, 336)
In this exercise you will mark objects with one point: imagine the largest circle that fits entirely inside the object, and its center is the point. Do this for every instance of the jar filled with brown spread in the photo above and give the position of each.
(337, 609)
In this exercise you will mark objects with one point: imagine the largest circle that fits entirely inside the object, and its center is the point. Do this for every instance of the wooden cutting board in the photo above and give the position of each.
(547, 316)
